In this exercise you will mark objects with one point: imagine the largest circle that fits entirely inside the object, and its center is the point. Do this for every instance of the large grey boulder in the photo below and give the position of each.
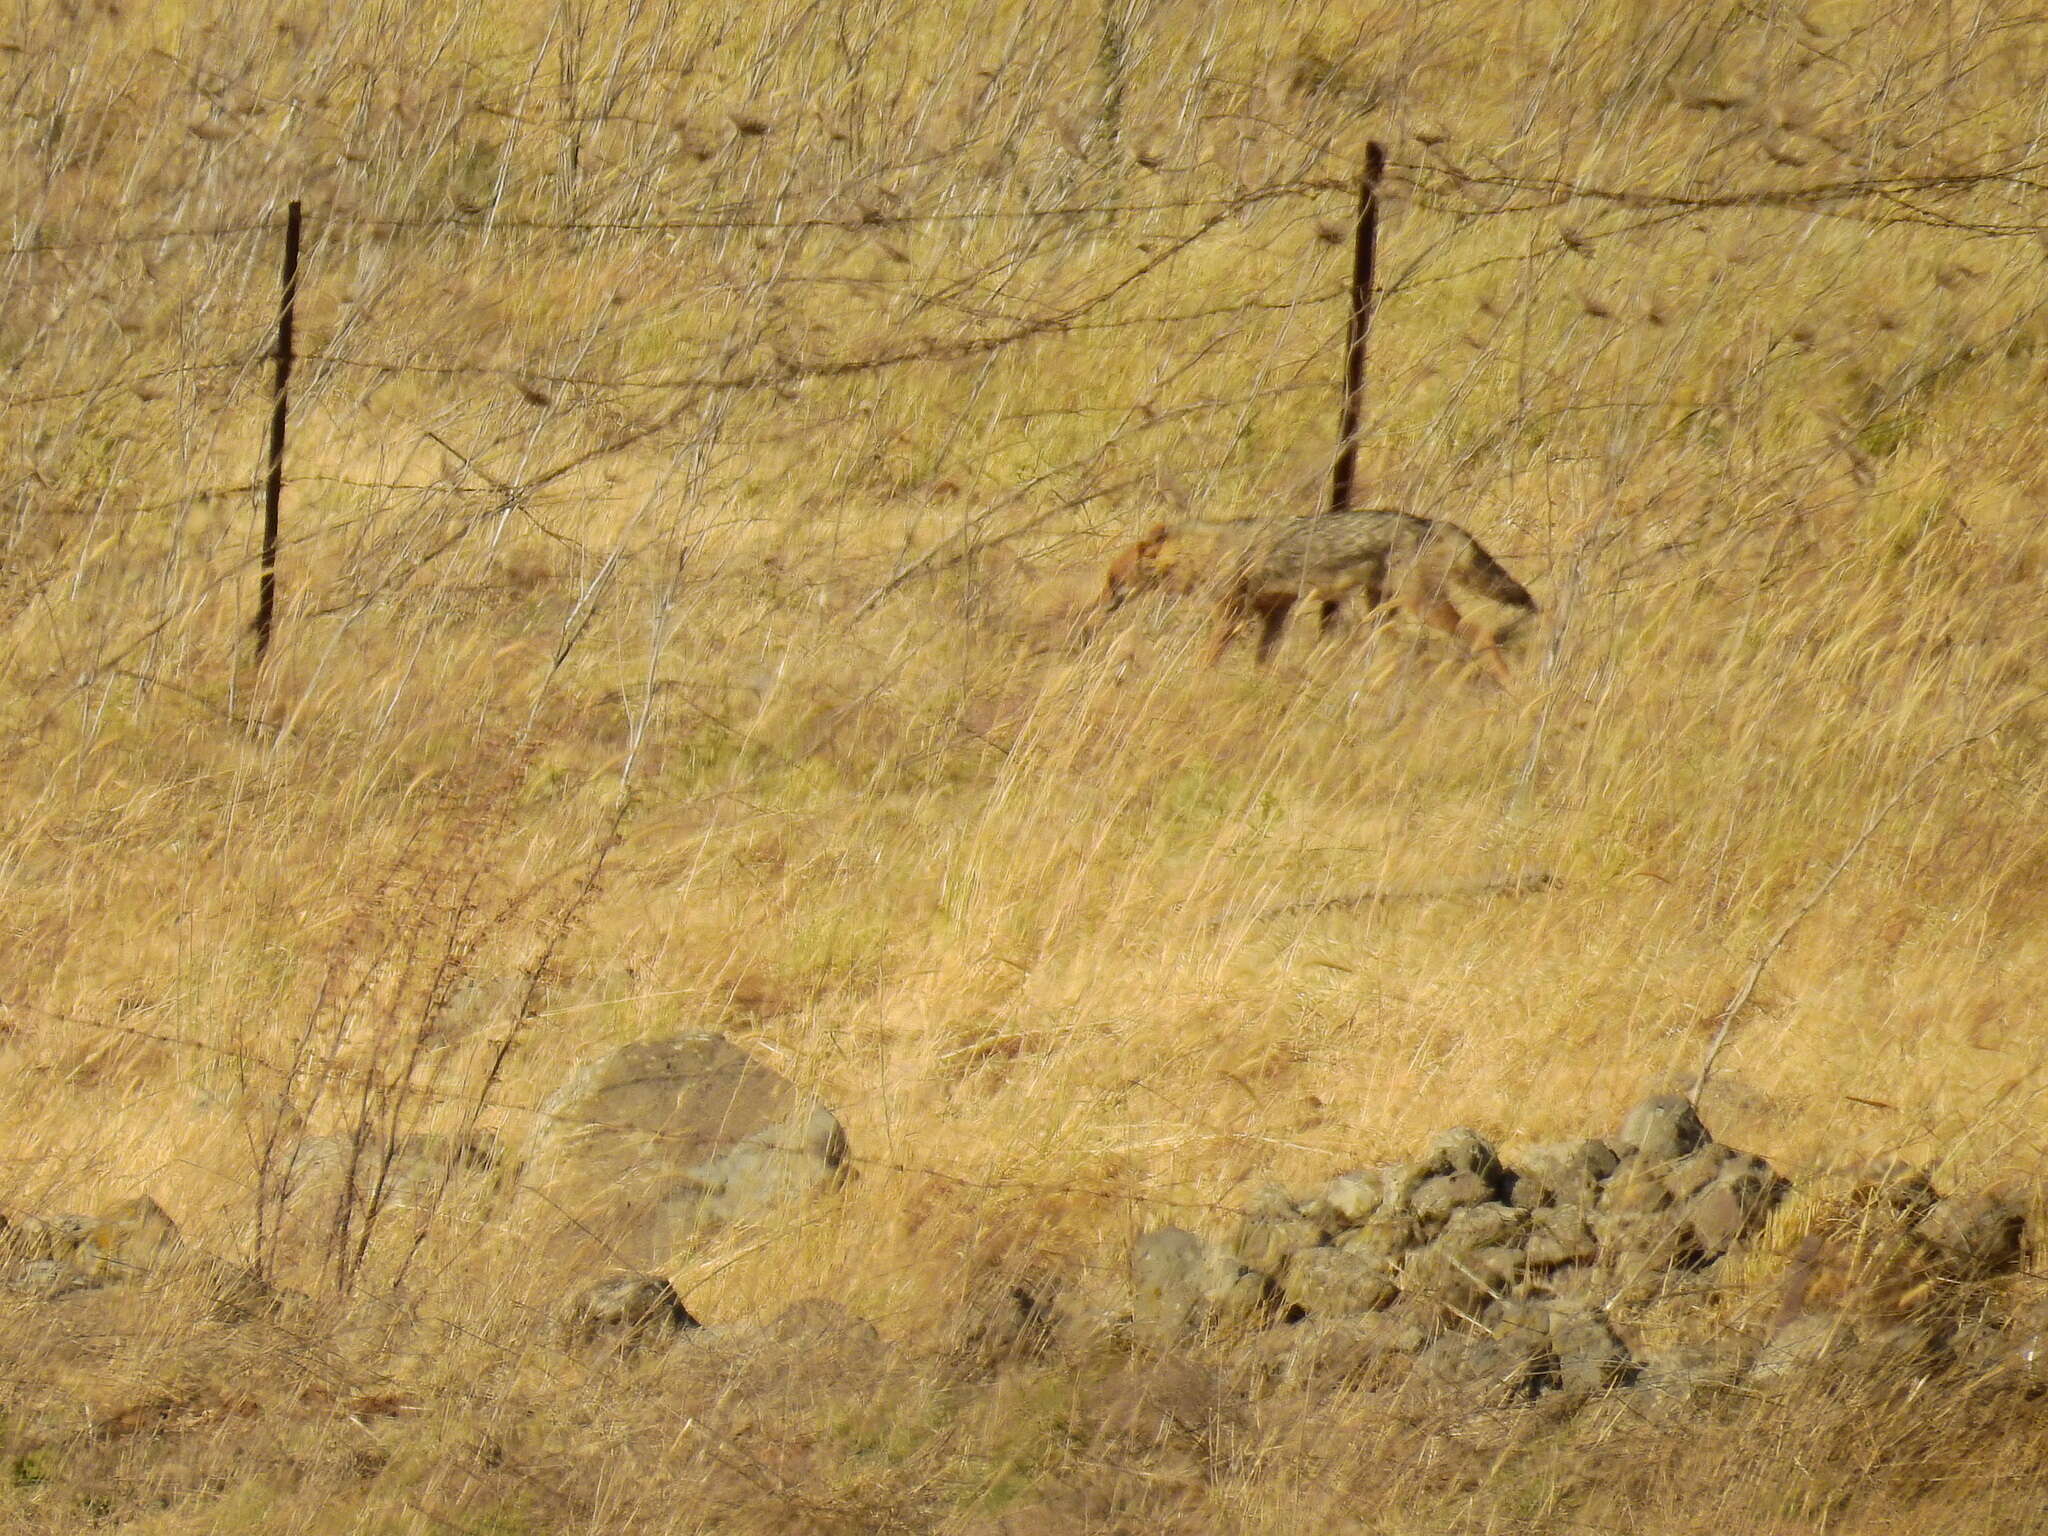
(662, 1140)
(1183, 1284)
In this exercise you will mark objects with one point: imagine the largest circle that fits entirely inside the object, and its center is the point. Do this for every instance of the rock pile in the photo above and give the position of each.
(1520, 1280)
(130, 1243)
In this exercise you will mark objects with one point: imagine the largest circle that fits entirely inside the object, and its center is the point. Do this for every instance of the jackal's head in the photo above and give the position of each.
(1157, 560)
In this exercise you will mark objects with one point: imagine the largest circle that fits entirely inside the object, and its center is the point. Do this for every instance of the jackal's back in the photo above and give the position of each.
(1313, 551)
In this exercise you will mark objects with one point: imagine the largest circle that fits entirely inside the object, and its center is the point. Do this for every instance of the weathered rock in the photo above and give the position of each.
(662, 1139)
(776, 1165)
(1371, 1350)
(1273, 1228)
(1337, 1282)
(1559, 1235)
(1663, 1129)
(1735, 1205)
(1185, 1285)
(1465, 1151)
(1504, 1368)
(1383, 1239)
(1978, 1236)
(1435, 1198)
(1444, 1287)
(1562, 1173)
(1348, 1200)
(1894, 1186)
(625, 1309)
(1590, 1355)
(124, 1242)
(1695, 1171)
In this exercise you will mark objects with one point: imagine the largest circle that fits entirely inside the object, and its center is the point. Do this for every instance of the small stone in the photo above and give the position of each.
(1273, 1228)
(1493, 1371)
(1349, 1199)
(1562, 1173)
(629, 1309)
(1978, 1236)
(1435, 1198)
(1465, 1151)
(1334, 1282)
(1663, 1129)
(1590, 1355)
(1696, 1170)
(1559, 1235)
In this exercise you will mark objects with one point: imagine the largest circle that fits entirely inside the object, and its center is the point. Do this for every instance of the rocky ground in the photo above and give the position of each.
(1651, 1326)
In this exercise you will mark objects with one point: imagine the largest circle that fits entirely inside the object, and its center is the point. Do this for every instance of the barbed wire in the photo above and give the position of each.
(1433, 182)
(1427, 179)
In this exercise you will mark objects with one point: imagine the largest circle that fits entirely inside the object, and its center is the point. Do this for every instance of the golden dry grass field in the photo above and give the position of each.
(710, 423)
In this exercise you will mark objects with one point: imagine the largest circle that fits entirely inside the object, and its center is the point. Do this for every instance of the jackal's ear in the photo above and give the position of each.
(1156, 536)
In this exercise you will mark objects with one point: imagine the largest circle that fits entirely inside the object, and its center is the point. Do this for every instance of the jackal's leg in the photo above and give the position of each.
(1438, 613)
(1231, 613)
(1273, 613)
(1327, 619)
(1372, 604)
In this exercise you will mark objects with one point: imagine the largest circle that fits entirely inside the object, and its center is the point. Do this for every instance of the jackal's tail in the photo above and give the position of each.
(1480, 572)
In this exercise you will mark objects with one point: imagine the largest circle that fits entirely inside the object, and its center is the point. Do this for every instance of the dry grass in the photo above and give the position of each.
(707, 435)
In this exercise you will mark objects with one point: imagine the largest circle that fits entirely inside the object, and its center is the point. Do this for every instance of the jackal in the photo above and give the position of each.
(1392, 558)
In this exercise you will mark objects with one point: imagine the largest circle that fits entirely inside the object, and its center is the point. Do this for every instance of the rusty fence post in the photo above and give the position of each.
(273, 478)
(1362, 257)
